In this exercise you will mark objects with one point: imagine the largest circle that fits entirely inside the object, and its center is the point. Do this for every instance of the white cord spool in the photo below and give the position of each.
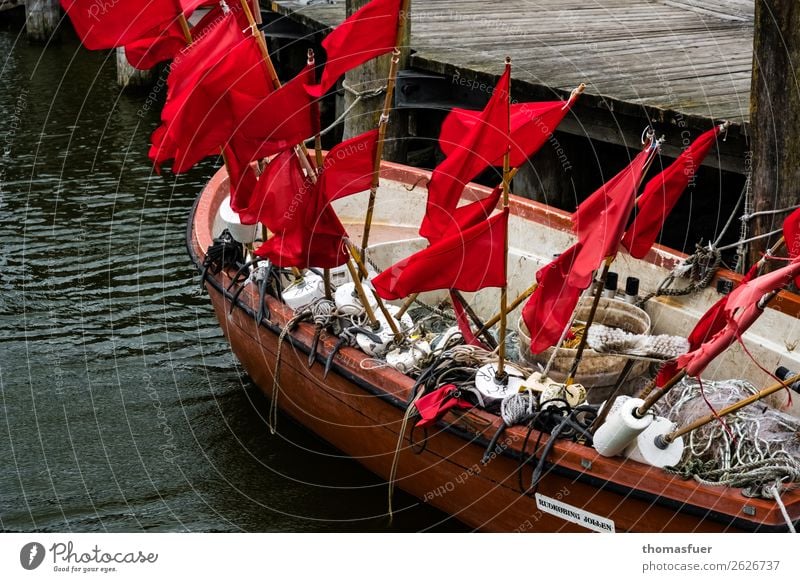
(348, 302)
(490, 387)
(621, 427)
(646, 450)
(406, 359)
(372, 348)
(243, 233)
(304, 290)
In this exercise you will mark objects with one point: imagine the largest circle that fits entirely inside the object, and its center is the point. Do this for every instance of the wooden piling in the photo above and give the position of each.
(774, 117)
(42, 18)
(130, 76)
(371, 76)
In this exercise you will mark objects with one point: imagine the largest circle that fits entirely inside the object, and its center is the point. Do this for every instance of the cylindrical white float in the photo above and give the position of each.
(243, 233)
(487, 384)
(646, 450)
(373, 348)
(303, 291)
(404, 360)
(348, 302)
(620, 428)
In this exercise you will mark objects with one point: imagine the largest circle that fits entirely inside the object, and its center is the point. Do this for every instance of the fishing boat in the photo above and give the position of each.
(364, 305)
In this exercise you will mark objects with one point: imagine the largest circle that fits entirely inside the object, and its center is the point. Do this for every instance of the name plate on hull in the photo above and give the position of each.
(574, 514)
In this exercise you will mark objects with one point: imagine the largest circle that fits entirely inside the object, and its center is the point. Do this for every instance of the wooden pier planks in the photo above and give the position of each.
(671, 59)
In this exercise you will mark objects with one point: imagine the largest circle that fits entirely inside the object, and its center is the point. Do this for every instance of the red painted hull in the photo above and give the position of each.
(360, 411)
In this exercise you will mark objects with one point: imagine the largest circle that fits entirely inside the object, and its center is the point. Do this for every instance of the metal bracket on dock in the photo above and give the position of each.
(276, 25)
(418, 90)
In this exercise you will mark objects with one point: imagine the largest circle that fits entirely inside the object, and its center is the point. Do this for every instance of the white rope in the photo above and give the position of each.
(776, 493)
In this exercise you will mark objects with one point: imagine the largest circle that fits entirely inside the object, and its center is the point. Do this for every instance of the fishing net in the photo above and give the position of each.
(753, 447)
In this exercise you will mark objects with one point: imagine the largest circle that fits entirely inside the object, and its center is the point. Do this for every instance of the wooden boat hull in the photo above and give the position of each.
(360, 411)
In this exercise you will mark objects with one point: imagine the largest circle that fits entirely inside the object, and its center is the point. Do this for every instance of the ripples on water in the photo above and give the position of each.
(122, 406)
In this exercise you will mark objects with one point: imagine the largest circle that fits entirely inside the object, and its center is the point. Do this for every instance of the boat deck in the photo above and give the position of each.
(681, 63)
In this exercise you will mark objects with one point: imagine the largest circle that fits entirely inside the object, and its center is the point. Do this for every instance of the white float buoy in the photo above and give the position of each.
(243, 233)
(348, 302)
(621, 427)
(487, 383)
(651, 450)
(303, 291)
(369, 346)
(406, 359)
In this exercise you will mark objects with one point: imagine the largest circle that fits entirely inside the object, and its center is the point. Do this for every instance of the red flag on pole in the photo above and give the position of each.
(199, 116)
(348, 167)
(791, 233)
(478, 148)
(279, 197)
(741, 311)
(662, 193)
(368, 33)
(113, 23)
(600, 220)
(467, 261)
(274, 121)
(532, 124)
(160, 44)
(550, 307)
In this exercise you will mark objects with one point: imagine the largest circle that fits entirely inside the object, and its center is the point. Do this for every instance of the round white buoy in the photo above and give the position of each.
(243, 233)
(304, 290)
(620, 428)
(369, 346)
(341, 275)
(348, 302)
(487, 383)
(646, 449)
(404, 360)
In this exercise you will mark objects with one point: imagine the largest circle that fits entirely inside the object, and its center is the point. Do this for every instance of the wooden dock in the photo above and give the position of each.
(680, 64)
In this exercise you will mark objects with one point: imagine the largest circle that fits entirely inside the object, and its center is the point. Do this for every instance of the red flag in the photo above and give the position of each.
(479, 147)
(600, 219)
(272, 122)
(467, 261)
(711, 323)
(791, 233)
(433, 406)
(113, 23)
(348, 167)
(368, 33)
(741, 311)
(279, 197)
(307, 231)
(473, 213)
(532, 124)
(550, 308)
(199, 116)
(160, 44)
(463, 323)
(662, 193)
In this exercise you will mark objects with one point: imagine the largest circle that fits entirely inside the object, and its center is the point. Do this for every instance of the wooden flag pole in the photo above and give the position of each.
(376, 166)
(362, 295)
(783, 385)
(363, 273)
(598, 293)
(383, 121)
(500, 374)
(407, 304)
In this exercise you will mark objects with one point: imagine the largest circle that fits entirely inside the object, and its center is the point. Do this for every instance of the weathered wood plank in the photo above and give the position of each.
(686, 61)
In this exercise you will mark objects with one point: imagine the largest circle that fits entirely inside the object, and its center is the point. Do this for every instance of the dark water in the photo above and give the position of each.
(123, 408)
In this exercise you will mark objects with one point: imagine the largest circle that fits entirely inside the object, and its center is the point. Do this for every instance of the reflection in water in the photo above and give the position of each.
(123, 408)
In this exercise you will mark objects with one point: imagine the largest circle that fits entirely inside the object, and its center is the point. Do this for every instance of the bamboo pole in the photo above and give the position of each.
(492, 321)
(598, 293)
(781, 385)
(658, 394)
(500, 374)
(490, 341)
(362, 295)
(376, 166)
(363, 273)
(408, 303)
